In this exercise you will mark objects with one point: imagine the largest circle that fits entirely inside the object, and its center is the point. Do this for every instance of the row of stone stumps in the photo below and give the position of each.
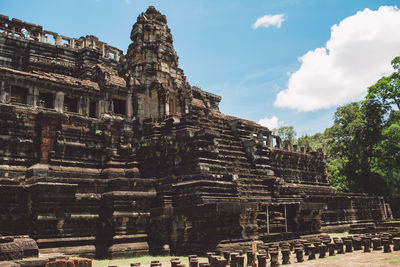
(321, 246)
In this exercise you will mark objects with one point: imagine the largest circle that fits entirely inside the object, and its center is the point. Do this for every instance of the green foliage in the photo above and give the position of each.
(286, 133)
(363, 144)
(315, 141)
(387, 89)
(335, 175)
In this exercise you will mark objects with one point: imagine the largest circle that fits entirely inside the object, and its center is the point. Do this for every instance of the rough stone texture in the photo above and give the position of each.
(112, 155)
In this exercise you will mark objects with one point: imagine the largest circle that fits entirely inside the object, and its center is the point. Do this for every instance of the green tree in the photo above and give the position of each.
(387, 89)
(286, 133)
(315, 141)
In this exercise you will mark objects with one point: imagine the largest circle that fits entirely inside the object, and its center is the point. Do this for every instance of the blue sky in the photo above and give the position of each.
(221, 52)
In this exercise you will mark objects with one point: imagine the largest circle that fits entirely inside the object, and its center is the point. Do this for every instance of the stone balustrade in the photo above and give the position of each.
(16, 28)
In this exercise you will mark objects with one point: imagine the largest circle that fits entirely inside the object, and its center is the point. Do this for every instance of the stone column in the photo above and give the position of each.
(267, 218)
(2, 92)
(129, 106)
(269, 140)
(86, 106)
(59, 102)
(284, 209)
(30, 97)
(35, 97)
(58, 40)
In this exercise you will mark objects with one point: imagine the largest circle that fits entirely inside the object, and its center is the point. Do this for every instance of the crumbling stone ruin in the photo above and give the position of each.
(109, 154)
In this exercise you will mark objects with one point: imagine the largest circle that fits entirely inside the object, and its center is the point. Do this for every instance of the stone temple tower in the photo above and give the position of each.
(159, 86)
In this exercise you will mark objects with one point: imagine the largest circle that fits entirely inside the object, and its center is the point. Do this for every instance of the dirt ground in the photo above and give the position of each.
(354, 259)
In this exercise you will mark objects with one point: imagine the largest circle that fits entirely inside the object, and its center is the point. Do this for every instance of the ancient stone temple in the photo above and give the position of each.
(109, 154)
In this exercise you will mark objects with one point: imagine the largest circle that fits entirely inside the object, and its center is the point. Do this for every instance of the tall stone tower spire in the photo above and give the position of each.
(160, 87)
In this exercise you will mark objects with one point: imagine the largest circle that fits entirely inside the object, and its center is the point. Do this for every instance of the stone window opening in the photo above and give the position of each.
(49, 39)
(274, 142)
(46, 100)
(19, 94)
(265, 140)
(65, 42)
(111, 55)
(70, 104)
(93, 109)
(119, 106)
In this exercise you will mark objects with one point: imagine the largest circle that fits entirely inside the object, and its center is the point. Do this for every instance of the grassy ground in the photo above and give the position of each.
(392, 260)
(332, 235)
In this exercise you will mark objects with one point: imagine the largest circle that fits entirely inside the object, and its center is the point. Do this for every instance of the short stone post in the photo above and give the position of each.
(357, 243)
(193, 262)
(322, 251)
(274, 258)
(174, 263)
(316, 244)
(366, 242)
(262, 260)
(233, 259)
(335, 241)
(155, 263)
(250, 257)
(339, 247)
(376, 242)
(192, 257)
(209, 254)
(221, 262)
(386, 245)
(227, 256)
(166, 251)
(306, 247)
(285, 255)
(396, 243)
(135, 264)
(240, 261)
(331, 249)
(213, 260)
(349, 245)
(311, 252)
(299, 254)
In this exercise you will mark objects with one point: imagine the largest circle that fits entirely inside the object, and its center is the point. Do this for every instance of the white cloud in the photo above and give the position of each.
(128, 1)
(356, 56)
(271, 123)
(269, 20)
